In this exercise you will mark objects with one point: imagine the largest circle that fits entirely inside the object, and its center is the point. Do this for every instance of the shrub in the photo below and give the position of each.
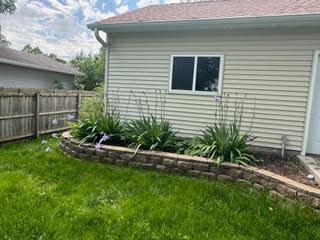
(223, 140)
(60, 84)
(92, 107)
(151, 134)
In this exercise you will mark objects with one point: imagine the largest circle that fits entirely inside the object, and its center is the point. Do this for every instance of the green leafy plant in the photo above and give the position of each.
(92, 130)
(224, 140)
(85, 130)
(224, 143)
(60, 84)
(111, 125)
(151, 131)
(92, 67)
(151, 134)
(182, 145)
(92, 107)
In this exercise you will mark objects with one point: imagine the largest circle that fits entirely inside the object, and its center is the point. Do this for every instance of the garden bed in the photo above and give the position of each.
(289, 167)
(195, 167)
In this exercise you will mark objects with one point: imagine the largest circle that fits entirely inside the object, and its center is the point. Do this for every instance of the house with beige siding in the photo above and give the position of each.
(266, 49)
(20, 69)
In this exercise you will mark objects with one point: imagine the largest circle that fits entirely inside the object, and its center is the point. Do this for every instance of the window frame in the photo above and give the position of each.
(193, 91)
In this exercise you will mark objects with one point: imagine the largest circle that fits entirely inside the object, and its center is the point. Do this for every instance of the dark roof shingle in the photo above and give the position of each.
(38, 61)
(218, 9)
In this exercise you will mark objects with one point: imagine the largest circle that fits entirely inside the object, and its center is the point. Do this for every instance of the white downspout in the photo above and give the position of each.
(106, 44)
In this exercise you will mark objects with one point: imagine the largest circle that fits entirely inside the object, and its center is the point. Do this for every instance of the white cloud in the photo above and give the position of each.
(118, 2)
(144, 3)
(55, 27)
(122, 9)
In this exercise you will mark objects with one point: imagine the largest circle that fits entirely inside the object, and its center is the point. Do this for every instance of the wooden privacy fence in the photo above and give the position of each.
(32, 112)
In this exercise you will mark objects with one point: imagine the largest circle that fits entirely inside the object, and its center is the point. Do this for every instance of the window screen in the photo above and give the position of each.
(182, 73)
(207, 78)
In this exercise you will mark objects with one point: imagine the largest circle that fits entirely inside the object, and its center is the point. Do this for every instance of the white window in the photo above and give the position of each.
(199, 73)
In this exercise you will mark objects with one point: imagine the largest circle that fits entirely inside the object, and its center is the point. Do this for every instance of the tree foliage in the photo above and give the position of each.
(93, 68)
(7, 6)
(4, 42)
(55, 57)
(29, 49)
(36, 50)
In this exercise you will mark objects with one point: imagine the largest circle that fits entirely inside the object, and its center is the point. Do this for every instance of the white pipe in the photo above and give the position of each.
(284, 142)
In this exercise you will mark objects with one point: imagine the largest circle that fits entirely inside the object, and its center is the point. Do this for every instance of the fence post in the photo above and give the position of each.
(37, 115)
(78, 106)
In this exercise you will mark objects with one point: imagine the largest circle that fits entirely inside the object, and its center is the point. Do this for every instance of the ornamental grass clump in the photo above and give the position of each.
(112, 126)
(225, 139)
(85, 130)
(93, 130)
(97, 125)
(151, 131)
(151, 134)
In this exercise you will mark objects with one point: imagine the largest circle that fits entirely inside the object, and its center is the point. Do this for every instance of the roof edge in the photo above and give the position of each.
(298, 19)
(29, 65)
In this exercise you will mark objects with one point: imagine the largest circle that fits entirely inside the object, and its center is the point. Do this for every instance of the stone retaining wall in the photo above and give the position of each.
(195, 167)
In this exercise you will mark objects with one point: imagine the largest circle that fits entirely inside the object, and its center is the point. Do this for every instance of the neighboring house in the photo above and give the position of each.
(267, 49)
(25, 70)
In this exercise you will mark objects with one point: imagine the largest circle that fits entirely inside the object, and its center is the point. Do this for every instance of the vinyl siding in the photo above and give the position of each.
(272, 67)
(21, 77)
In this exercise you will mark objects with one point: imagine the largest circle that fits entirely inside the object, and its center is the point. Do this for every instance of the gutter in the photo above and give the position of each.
(103, 43)
(106, 44)
(33, 66)
(233, 22)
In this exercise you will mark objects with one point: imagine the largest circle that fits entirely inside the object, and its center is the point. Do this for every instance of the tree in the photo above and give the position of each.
(29, 49)
(36, 50)
(93, 68)
(60, 84)
(3, 41)
(55, 57)
(7, 6)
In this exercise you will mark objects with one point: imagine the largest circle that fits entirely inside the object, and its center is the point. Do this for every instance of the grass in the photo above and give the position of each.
(51, 196)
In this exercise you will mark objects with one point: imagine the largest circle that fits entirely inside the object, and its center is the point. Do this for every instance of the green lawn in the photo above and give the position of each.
(51, 196)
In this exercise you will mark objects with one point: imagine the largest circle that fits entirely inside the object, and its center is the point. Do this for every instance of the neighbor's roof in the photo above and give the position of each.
(215, 10)
(36, 61)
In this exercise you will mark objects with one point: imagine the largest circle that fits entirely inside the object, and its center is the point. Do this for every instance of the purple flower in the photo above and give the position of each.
(104, 138)
(216, 98)
(97, 146)
(70, 117)
(55, 121)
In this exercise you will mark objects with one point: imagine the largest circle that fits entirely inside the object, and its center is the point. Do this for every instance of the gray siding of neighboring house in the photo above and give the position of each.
(21, 77)
(273, 67)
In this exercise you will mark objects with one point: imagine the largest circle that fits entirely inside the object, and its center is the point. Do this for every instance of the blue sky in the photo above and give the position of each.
(59, 26)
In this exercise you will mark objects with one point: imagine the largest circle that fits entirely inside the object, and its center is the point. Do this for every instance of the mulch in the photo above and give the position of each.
(289, 167)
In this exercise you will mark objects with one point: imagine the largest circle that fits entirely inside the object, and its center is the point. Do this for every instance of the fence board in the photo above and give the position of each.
(31, 112)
